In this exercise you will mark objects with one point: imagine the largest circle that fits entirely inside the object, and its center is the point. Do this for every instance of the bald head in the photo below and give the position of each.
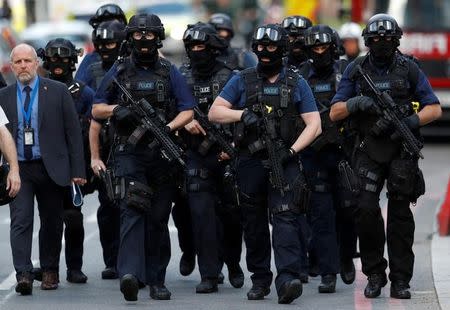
(24, 63)
(23, 47)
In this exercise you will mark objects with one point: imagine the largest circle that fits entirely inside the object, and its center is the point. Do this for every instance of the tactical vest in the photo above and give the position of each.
(97, 72)
(277, 99)
(205, 92)
(323, 89)
(401, 83)
(152, 84)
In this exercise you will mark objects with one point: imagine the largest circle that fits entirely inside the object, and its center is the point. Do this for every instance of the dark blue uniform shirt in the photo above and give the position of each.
(83, 104)
(178, 89)
(234, 92)
(348, 88)
(82, 72)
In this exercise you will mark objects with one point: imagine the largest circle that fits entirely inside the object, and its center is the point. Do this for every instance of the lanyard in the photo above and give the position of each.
(27, 114)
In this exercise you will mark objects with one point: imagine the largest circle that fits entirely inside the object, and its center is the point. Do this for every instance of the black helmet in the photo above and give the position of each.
(62, 48)
(4, 195)
(382, 25)
(205, 34)
(323, 34)
(106, 12)
(296, 25)
(222, 21)
(270, 34)
(109, 31)
(146, 22)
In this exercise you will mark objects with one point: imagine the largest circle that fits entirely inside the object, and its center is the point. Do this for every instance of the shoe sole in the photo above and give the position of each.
(293, 292)
(267, 292)
(129, 289)
(400, 297)
(207, 291)
(348, 281)
(24, 289)
(160, 297)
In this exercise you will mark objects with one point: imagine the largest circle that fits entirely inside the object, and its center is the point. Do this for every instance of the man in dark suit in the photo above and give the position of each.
(45, 127)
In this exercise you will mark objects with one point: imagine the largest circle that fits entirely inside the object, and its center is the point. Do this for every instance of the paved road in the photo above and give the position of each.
(101, 294)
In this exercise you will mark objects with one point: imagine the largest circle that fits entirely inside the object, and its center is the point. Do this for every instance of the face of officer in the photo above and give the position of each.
(382, 48)
(224, 33)
(24, 63)
(351, 47)
(321, 56)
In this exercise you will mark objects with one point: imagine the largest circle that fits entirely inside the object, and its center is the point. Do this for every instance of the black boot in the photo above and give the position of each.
(258, 292)
(37, 274)
(290, 291)
(376, 282)
(208, 285)
(129, 287)
(220, 278)
(109, 273)
(328, 284)
(236, 276)
(76, 276)
(187, 264)
(304, 278)
(400, 290)
(348, 272)
(159, 292)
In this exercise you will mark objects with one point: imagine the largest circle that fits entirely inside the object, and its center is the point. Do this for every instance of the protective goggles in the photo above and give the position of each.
(195, 35)
(270, 33)
(318, 38)
(109, 10)
(104, 34)
(296, 21)
(381, 27)
(60, 51)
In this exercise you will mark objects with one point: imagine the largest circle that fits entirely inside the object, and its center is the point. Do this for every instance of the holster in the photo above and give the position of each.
(348, 178)
(139, 196)
(301, 191)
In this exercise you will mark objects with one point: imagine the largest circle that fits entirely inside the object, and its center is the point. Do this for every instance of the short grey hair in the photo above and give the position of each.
(23, 46)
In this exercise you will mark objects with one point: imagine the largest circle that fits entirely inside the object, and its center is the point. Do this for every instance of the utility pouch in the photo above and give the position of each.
(139, 196)
(348, 179)
(301, 192)
(402, 178)
(107, 179)
(419, 186)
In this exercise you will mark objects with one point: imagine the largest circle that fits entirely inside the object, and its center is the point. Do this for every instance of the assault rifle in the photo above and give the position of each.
(150, 121)
(272, 144)
(214, 133)
(389, 110)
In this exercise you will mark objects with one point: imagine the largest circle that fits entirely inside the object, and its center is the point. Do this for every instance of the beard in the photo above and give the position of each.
(25, 78)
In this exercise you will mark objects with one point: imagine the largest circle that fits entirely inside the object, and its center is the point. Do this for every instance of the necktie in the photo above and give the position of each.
(27, 149)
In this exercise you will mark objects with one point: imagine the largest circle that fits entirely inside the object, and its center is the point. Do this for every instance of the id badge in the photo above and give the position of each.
(28, 135)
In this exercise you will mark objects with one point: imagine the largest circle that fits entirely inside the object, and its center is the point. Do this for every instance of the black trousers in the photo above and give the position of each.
(108, 219)
(73, 232)
(36, 183)
(370, 224)
(181, 215)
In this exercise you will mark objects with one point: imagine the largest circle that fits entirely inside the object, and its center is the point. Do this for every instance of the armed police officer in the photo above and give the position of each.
(161, 104)
(108, 37)
(268, 103)
(323, 72)
(296, 26)
(104, 13)
(235, 58)
(386, 150)
(59, 58)
(207, 199)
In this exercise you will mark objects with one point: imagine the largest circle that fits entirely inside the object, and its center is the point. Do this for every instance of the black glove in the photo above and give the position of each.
(167, 129)
(122, 113)
(286, 155)
(360, 104)
(249, 117)
(412, 121)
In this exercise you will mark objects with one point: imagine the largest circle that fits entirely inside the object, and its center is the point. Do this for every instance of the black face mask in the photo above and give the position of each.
(268, 69)
(108, 56)
(147, 58)
(297, 56)
(382, 51)
(65, 76)
(202, 61)
(322, 61)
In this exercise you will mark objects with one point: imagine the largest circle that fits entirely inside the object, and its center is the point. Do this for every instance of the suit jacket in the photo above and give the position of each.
(59, 129)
